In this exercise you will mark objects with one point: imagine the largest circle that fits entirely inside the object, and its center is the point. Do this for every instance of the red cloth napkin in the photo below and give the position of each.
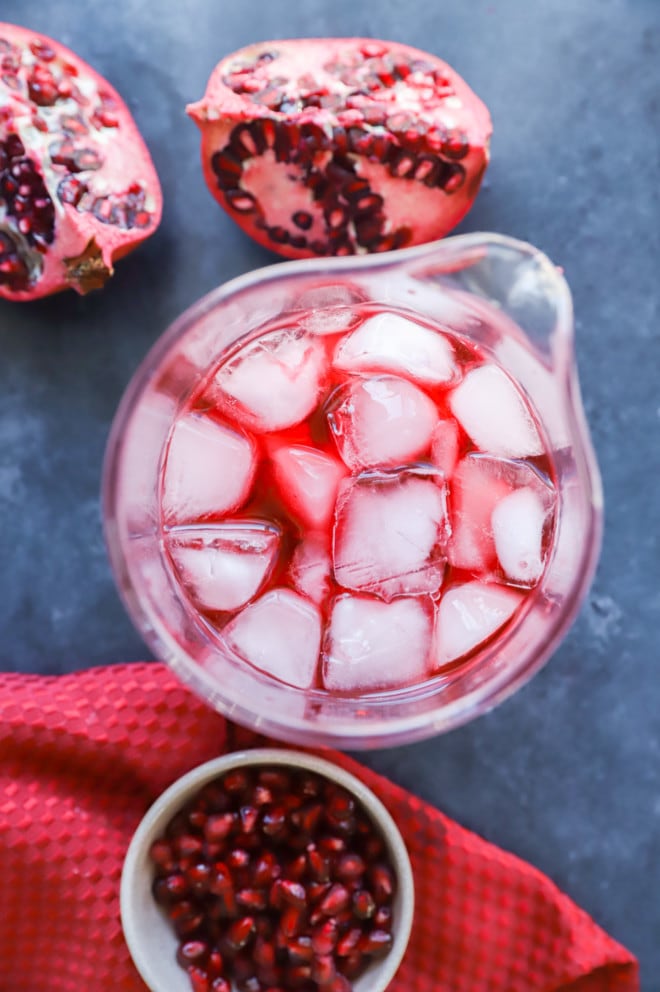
(82, 756)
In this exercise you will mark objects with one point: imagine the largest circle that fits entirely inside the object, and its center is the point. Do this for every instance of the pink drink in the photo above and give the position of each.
(358, 506)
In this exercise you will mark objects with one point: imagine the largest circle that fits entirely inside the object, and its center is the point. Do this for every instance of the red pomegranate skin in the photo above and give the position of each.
(78, 189)
(341, 146)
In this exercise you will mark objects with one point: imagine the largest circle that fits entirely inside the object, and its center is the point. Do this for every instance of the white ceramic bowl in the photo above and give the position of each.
(148, 933)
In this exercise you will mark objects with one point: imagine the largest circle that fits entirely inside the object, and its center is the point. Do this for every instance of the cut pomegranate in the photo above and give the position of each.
(78, 189)
(341, 146)
(309, 906)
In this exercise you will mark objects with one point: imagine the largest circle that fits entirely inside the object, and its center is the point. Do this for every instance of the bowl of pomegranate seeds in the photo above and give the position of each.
(269, 870)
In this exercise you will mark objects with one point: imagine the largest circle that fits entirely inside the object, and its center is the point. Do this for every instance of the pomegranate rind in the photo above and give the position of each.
(420, 164)
(84, 249)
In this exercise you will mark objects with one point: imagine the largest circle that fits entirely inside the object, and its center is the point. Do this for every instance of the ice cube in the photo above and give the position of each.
(518, 522)
(491, 409)
(479, 484)
(389, 342)
(308, 480)
(444, 446)
(373, 645)
(330, 320)
(468, 614)
(274, 381)
(208, 470)
(390, 533)
(224, 566)
(384, 421)
(311, 568)
(280, 634)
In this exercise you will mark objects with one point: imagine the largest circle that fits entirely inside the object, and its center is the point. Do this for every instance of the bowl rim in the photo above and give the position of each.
(183, 788)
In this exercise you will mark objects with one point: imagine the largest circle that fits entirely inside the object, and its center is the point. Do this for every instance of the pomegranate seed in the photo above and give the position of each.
(238, 859)
(175, 886)
(382, 883)
(323, 969)
(383, 918)
(292, 921)
(300, 949)
(215, 964)
(324, 936)
(348, 942)
(185, 919)
(249, 817)
(277, 779)
(237, 780)
(297, 975)
(307, 818)
(219, 826)
(337, 898)
(264, 953)
(273, 823)
(332, 845)
(161, 854)
(350, 867)
(192, 952)
(198, 877)
(318, 865)
(186, 845)
(316, 891)
(240, 932)
(292, 893)
(364, 905)
(253, 899)
(220, 984)
(296, 869)
(376, 942)
(220, 880)
(265, 869)
(262, 796)
(352, 965)
(199, 980)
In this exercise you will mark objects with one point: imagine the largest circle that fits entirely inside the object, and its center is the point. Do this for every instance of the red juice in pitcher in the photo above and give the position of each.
(356, 503)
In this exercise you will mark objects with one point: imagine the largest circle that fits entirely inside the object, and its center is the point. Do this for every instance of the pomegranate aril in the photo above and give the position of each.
(254, 900)
(162, 855)
(274, 821)
(299, 949)
(265, 869)
(264, 953)
(292, 921)
(337, 899)
(381, 879)
(352, 965)
(383, 917)
(364, 906)
(220, 984)
(249, 984)
(348, 942)
(317, 890)
(318, 865)
(307, 818)
(186, 918)
(249, 818)
(292, 893)
(376, 942)
(174, 886)
(199, 980)
(297, 975)
(324, 936)
(192, 952)
(350, 867)
(277, 779)
(219, 826)
(240, 932)
(198, 877)
(186, 845)
(215, 964)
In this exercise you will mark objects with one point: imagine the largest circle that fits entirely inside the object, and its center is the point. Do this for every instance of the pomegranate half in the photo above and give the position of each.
(78, 188)
(341, 146)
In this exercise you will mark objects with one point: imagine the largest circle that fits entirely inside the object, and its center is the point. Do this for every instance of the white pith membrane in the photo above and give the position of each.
(372, 574)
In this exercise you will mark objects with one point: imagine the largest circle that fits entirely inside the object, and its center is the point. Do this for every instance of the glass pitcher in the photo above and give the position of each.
(504, 296)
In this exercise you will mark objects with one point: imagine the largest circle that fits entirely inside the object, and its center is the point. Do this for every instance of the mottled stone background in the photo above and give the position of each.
(567, 773)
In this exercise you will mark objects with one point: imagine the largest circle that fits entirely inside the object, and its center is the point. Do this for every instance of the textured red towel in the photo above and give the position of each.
(81, 758)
